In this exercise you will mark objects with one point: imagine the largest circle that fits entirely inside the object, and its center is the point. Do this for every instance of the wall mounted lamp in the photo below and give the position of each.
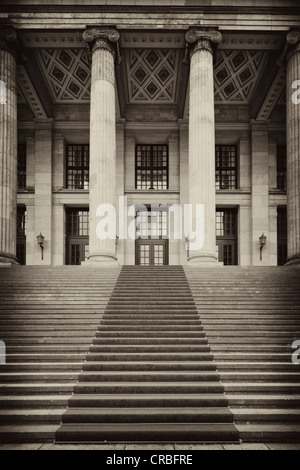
(40, 240)
(263, 242)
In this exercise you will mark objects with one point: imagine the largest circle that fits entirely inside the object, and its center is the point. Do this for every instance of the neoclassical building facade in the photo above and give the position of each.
(148, 106)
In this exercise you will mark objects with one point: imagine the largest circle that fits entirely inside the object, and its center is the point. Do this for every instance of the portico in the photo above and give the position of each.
(187, 114)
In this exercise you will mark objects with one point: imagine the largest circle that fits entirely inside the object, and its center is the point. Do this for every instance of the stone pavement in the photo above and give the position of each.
(130, 447)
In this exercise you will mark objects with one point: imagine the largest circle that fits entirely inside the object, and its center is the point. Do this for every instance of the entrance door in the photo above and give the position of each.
(152, 253)
(152, 244)
(227, 236)
(77, 236)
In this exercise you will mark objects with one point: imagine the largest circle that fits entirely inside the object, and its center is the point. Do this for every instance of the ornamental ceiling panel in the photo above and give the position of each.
(237, 74)
(67, 73)
(152, 75)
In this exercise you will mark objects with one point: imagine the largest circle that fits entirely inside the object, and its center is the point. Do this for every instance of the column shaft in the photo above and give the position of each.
(102, 147)
(8, 158)
(293, 156)
(202, 188)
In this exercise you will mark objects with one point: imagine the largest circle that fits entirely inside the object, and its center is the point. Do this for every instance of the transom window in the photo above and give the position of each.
(78, 160)
(78, 223)
(21, 166)
(226, 167)
(152, 163)
(281, 168)
(152, 225)
(226, 223)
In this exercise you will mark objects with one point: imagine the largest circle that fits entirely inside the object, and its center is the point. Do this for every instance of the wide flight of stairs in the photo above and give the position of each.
(149, 375)
(48, 319)
(251, 317)
(93, 359)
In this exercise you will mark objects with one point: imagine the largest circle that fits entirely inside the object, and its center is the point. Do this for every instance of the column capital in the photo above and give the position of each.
(202, 40)
(105, 39)
(293, 42)
(8, 39)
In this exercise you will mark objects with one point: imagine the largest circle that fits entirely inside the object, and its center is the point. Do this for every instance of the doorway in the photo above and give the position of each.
(152, 244)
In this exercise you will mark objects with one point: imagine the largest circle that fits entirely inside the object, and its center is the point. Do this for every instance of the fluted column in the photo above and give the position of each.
(102, 138)
(293, 149)
(202, 186)
(8, 148)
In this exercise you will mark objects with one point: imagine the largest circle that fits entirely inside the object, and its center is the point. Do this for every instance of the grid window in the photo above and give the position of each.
(78, 160)
(75, 255)
(282, 234)
(159, 255)
(226, 167)
(152, 163)
(281, 168)
(228, 255)
(226, 221)
(152, 225)
(21, 222)
(145, 255)
(21, 166)
(78, 223)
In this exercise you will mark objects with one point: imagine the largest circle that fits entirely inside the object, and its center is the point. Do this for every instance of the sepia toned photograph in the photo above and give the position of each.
(149, 227)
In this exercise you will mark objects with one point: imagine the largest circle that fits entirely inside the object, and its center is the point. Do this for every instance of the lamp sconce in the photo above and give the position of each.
(117, 243)
(263, 242)
(187, 246)
(40, 240)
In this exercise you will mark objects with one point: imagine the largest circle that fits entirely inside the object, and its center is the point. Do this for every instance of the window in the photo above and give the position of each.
(78, 160)
(21, 166)
(78, 223)
(281, 168)
(21, 235)
(282, 235)
(152, 163)
(153, 225)
(226, 226)
(77, 238)
(226, 167)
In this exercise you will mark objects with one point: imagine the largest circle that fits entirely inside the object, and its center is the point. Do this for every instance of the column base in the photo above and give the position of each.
(100, 261)
(7, 261)
(293, 261)
(204, 261)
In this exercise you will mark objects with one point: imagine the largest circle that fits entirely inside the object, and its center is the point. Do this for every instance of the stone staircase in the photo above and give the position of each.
(92, 360)
(150, 374)
(48, 319)
(251, 317)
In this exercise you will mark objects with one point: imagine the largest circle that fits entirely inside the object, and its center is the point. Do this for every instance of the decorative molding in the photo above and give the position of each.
(250, 42)
(134, 40)
(57, 39)
(67, 74)
(273, 96)
(28, 91)
(236, 74)
(152, 75)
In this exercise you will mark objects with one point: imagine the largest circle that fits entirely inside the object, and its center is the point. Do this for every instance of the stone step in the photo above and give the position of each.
(267, 401)
(143, 400)
(264, 415)
(28, 433)
(148, 415)
(40, 416)
(270, 433)
(147, 433)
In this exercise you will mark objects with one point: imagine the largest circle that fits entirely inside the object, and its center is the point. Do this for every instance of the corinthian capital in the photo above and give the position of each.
(203, 40)
(106, 39)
